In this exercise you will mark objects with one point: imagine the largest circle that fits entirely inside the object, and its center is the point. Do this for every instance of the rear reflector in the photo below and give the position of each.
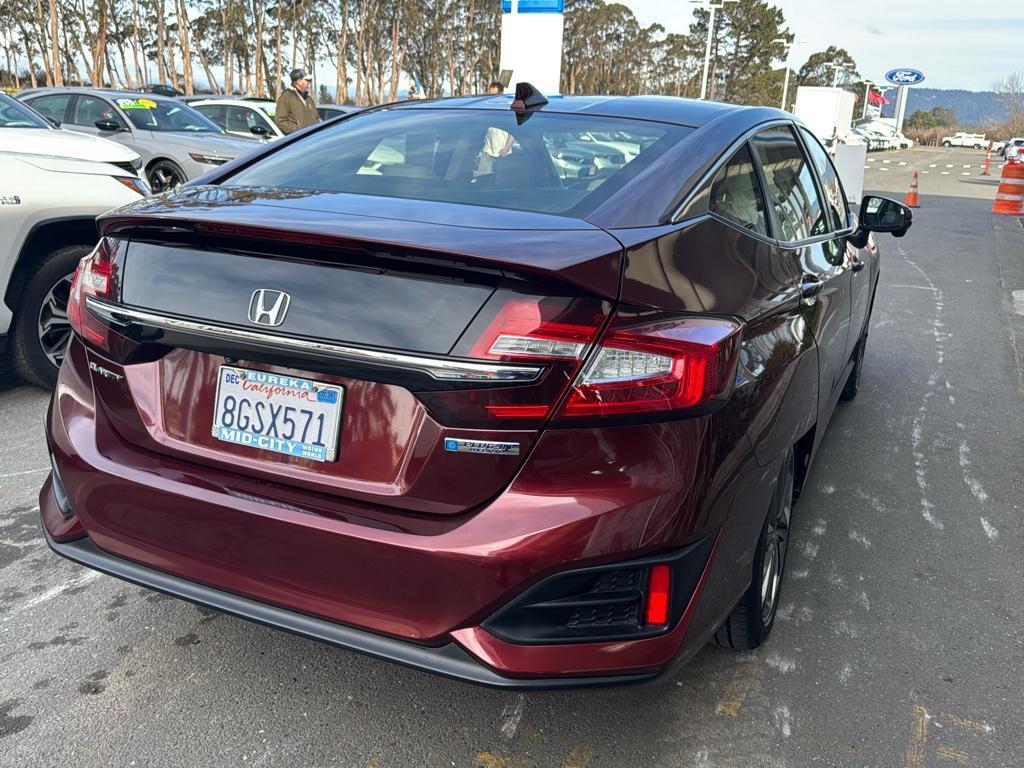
(658, 586)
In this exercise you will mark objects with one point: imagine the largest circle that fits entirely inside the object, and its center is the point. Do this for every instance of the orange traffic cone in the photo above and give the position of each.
(911, 199)
(988, 161)
(1010, 195)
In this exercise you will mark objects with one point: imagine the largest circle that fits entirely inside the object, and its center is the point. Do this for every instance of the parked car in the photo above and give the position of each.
(161, 90)
(961, 139)
(48, 207)
(176, 142)
(1012, 147)
(25, 131)
(242, 118)
(331, 111)
(511, 427)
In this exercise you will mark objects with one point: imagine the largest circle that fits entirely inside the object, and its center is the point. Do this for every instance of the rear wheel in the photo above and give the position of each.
(754, 615)
(41, 330)
(164, 175)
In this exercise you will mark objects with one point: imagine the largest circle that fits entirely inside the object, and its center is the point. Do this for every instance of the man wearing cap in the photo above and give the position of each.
(295, 106)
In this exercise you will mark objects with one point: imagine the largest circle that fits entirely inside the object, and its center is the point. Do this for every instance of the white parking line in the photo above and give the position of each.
(903, 162)
(887, 161)
(945, 173)
(933, 165)
(967, 166)
(26, 472)
(883, 169)
(965, 173)
(950, 165)
(872, 159)
(924, 171)
(51, 593)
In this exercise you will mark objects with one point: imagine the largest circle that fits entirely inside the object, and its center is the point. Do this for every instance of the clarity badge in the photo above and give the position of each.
(488, 447)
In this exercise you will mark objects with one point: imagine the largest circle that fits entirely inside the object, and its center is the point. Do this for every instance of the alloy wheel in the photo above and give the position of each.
(776, 542)
(52, 324)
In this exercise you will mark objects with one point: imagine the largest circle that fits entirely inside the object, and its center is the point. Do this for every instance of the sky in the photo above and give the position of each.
(955, 43)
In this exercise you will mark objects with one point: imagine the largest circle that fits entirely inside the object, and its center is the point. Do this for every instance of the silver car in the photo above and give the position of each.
(176, 142)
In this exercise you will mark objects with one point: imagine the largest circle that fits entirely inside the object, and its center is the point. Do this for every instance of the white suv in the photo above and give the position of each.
(48, 210)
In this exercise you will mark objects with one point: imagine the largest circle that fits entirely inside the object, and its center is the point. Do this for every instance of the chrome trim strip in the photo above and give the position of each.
(442, 369)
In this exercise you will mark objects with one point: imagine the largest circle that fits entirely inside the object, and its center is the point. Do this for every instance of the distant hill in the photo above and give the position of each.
(971, 107)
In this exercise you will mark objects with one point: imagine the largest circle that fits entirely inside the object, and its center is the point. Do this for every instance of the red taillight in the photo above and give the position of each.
(94, 276)
(659, 584)
(662, 366)
(519, 332)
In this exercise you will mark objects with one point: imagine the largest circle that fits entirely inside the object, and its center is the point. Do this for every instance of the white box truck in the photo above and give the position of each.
(828, 112)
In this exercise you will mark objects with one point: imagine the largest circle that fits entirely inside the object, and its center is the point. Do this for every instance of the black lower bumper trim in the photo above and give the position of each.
(450, 660)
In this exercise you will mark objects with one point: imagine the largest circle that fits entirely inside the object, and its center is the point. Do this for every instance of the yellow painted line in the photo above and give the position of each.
(580, 757)
(968, 725)
(735, 694)
(918, 738)
(954, 755)
(490, 760)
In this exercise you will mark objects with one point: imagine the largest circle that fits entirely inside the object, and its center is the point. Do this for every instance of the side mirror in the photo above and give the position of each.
(107, 125)
(880, 214)
(259, 130)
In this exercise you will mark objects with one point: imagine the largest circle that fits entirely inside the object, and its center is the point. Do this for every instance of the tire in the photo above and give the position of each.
(947, 144)
(754, 615)
(40, 332)
(164, 176)
(852, 386)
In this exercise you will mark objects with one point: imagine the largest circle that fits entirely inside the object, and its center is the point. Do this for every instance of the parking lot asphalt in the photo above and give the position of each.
(899, 636)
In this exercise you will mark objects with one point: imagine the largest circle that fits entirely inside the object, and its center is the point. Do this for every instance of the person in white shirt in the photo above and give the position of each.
(497, 143)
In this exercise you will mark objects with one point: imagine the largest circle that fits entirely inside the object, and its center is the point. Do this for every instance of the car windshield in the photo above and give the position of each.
(14, 114)
(153, 115)
(550, 163)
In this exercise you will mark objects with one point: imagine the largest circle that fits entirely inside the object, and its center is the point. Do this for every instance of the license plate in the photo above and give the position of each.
(277, 412)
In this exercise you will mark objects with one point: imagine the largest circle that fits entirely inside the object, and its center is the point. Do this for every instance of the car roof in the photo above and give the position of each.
(666, 109)
(112, 93)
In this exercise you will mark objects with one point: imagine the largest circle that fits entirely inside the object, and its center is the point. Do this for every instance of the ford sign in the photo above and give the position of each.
(904, 76)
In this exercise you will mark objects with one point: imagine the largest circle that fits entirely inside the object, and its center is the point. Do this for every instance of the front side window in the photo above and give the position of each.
(736, 194)
(790, 185)
(216, 112)
(831, 185)
(242, 119)
(551, 163)
(89, 109)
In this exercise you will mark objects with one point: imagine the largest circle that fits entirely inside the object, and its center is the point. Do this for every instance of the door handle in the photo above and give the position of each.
(857, 264)
(810, 287)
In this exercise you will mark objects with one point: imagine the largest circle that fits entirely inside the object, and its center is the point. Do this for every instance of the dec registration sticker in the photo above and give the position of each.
(276, 412)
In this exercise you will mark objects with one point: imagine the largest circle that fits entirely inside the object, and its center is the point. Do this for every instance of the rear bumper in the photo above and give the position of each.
(450, 660)
(415, 590)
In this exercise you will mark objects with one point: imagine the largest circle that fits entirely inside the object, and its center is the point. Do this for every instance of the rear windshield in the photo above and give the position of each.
(552, 163)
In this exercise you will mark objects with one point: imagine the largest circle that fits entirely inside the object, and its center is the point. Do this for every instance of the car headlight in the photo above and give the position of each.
(199, 157)
(134, 183)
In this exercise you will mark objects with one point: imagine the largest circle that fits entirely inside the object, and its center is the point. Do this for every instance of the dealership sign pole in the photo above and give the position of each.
(531, 42)
(903, 78)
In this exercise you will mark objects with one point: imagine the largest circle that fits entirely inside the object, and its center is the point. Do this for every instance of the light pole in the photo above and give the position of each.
(836, 69)
(867, 95)
(785, 63)
(712, 6)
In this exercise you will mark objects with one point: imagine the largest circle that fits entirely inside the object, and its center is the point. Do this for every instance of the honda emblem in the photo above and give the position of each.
(268, 307)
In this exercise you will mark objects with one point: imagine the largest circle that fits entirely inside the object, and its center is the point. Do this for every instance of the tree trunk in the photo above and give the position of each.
(279, 69)
(161, 59)
(258, 12)
(184, 43)
(341, 85)
(58, 76)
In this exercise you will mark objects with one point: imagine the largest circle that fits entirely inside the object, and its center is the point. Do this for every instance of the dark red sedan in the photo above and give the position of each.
(517, 392)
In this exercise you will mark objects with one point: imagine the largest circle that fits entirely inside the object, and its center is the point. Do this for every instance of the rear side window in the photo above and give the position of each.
(54, 107)
(736, 194)
(790, 185)
(831, 186)
(552, 163)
